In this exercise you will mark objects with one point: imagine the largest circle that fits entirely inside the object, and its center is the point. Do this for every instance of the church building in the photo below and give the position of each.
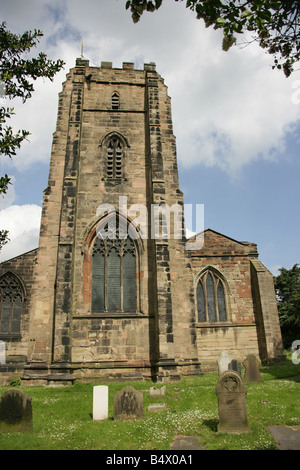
(115, 291)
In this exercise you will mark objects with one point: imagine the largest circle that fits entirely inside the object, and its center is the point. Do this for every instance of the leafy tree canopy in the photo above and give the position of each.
(16, 76)
(274, 24)
(287, 286)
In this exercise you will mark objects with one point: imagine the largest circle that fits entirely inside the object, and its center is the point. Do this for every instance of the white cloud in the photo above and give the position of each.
(233, 111)
(7, 199)
(229, 109)
(23, 224)
(275, 269)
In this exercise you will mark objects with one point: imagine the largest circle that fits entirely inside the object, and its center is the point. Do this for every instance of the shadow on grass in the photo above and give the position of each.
(212, 424)
(285, 369)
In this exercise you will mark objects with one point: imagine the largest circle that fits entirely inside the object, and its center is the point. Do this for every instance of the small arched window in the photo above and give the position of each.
(11, 305)
(114, 157)
(211, 297)
(115, 101)
(114, 279)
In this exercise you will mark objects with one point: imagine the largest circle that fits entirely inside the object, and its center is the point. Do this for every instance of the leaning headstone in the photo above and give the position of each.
(223, 362)
(232, 404)
(15, 411)
(252, 374)
(128, 403)
(100, 402)
(236, 366)
(157, 392)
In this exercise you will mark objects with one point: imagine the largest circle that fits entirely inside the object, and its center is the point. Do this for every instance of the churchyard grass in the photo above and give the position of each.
(62, 417)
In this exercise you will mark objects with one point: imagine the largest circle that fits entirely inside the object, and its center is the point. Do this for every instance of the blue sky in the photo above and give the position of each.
(236, 121)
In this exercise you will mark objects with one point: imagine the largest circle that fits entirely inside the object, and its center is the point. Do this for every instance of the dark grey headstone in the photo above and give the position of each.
(236, 366)
(128, 404)
(252, 374)
(15, 411)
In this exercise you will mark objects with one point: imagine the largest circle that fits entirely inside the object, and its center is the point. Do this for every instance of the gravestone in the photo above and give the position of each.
(252, 374)
(100, 402)
(157, 392)
(236, 366)
(15, 411)
(2, 353)
(157, 407)
(223, 361)
(128, 403)
(232, 403)
(185, 443)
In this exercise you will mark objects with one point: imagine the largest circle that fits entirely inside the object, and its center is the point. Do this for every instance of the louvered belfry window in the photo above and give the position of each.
(11, 305)
(115, 101)
(211, 300)
(114, 285)
(114, 158)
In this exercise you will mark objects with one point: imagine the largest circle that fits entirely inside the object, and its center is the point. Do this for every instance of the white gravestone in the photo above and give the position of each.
(2, 352)
(100, 402)
(223, 362)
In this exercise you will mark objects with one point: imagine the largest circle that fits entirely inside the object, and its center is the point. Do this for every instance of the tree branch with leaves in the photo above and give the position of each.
(16, 81)
(275, 25)
(287, 286)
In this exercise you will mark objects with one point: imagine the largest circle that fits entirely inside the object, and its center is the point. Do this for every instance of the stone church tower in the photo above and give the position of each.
(112, 292)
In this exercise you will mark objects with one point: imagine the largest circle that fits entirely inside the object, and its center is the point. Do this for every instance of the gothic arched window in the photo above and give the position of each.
(211, 297)
(114, 157)
(114, 267)
(11, 304)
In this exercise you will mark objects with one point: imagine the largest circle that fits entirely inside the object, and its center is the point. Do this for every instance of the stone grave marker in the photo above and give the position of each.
(2, 353)
(252, 374)
(223, 361)
(128, 403)
(154, 407)
(15, 411)
(231, 394)
(157, 392)
(100, 402)
(236, 366)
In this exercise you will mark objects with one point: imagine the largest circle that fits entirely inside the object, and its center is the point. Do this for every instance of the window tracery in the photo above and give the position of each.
(114, 267)
(114, 157)
(211, 297)
(11, 305)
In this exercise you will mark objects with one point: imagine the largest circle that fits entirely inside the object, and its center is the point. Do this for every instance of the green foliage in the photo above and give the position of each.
(287, 285)
(15, 382)
(274, 24)
(16, 72)
(16, 76)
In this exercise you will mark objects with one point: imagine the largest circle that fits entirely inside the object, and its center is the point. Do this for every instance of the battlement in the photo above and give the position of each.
(151, 67)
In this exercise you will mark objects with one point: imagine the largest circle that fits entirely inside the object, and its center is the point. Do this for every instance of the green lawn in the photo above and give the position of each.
(62, 417)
